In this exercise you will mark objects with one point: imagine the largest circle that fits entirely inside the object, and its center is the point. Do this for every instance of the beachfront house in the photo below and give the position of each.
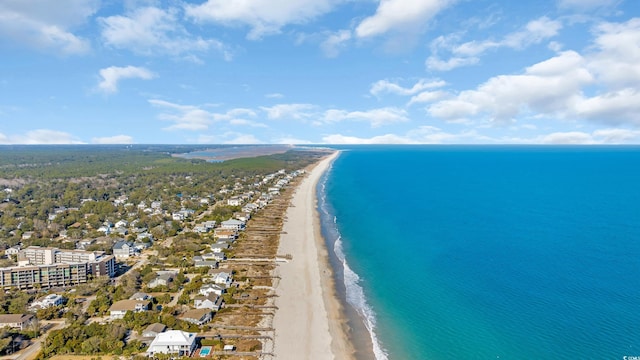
(207, 289)
(233, 224)
(177, 342)
(197, 316)
(212, 302)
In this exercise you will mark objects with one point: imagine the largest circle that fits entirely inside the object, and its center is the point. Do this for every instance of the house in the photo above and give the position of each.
(48, 301)
(123, 249)
(140, 296)
(14, 250)
(233, 224)
(163, 279)
(221, 277)
(225, 234)
(199, 261)
(212, 302)
(207, 289)
(176, 342)
(122, 224)
(234, 201)
(16, 321)
(219, 247)
(153, 330)
(120, 308)
(197, 316)
(242, 216)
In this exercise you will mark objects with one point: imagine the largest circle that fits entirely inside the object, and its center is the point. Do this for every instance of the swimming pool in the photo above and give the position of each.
(205, 351)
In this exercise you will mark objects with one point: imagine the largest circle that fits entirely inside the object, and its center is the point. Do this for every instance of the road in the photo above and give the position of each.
(32, 351)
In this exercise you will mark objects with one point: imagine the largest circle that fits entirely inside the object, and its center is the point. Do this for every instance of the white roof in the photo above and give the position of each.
(232, 222)
(173, 337)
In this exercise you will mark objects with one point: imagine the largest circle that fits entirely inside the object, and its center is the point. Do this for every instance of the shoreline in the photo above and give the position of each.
(310, 319)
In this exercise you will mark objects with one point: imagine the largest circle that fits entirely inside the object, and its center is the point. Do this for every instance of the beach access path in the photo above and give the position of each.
(308, 323)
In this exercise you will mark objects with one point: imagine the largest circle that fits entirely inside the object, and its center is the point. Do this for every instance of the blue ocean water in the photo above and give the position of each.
(490, 252)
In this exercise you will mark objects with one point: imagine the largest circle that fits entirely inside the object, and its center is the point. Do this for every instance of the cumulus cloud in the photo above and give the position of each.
(338, 139)
(335, 43)
(560, 86)
(468, 53)
(264, 17)
(117, 139)
(229, 138)
(385, 86)
(192, 117)
(113, 74)
(155, 31)
(427, 96)
(47, 25)
(434, 135)
(583, 5)
(184, 117)
(399, 15)
(290, 111)
(375, 117)
(40, 137)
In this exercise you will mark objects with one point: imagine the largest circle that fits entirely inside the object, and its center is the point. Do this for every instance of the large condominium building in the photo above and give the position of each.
(48, 267)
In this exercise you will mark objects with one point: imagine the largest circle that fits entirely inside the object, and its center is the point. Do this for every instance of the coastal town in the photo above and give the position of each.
(174, 275)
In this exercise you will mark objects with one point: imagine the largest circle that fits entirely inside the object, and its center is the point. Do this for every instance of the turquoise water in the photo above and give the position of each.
(490, 252)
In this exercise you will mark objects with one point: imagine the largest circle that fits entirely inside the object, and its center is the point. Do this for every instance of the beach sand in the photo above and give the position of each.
(309, 322)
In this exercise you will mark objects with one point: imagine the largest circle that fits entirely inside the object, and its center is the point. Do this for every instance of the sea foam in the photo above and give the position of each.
(354, 292)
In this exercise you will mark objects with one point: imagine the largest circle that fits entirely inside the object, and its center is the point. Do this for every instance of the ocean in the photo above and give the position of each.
(488, 252)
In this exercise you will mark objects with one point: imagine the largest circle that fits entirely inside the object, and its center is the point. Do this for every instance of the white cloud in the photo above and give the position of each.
(151, 30)
(117, 139)
(46, 25)
(40, 137)
(338, 139)
(386, 86)
(335, 42)
(434, 135)
(184, 117)
(400, 15)
(617, 59)
(290, 111)
(113, 74)
(274, 96)
(468, 53)
(558, 87)
(265, 17)
(376, 117)
(427, 96)
(583, 5)
(550, 87)
(291, 140)
(243, 139)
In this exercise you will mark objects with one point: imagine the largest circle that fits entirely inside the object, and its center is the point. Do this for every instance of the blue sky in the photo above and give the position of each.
(320, 71)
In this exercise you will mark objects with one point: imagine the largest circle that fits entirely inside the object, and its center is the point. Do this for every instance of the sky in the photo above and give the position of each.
(319, 72)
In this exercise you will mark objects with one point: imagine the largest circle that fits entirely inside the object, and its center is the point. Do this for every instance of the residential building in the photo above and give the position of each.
(16, 321)
(153, 330)
(180, 343)
(197, 316)
(233, 224)
(26, 277)
(120, 308)
(225, 234)
(212, 302)
(207, 289)
(123, 249)
(48, 301)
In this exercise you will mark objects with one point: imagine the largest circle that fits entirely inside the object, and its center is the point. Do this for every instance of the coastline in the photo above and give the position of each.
(310, 319)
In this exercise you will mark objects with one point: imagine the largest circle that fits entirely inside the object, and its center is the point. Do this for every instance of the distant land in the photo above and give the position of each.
(222, 153)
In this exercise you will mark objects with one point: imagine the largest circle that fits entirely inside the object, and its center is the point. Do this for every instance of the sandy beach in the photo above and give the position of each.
(309, 322)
